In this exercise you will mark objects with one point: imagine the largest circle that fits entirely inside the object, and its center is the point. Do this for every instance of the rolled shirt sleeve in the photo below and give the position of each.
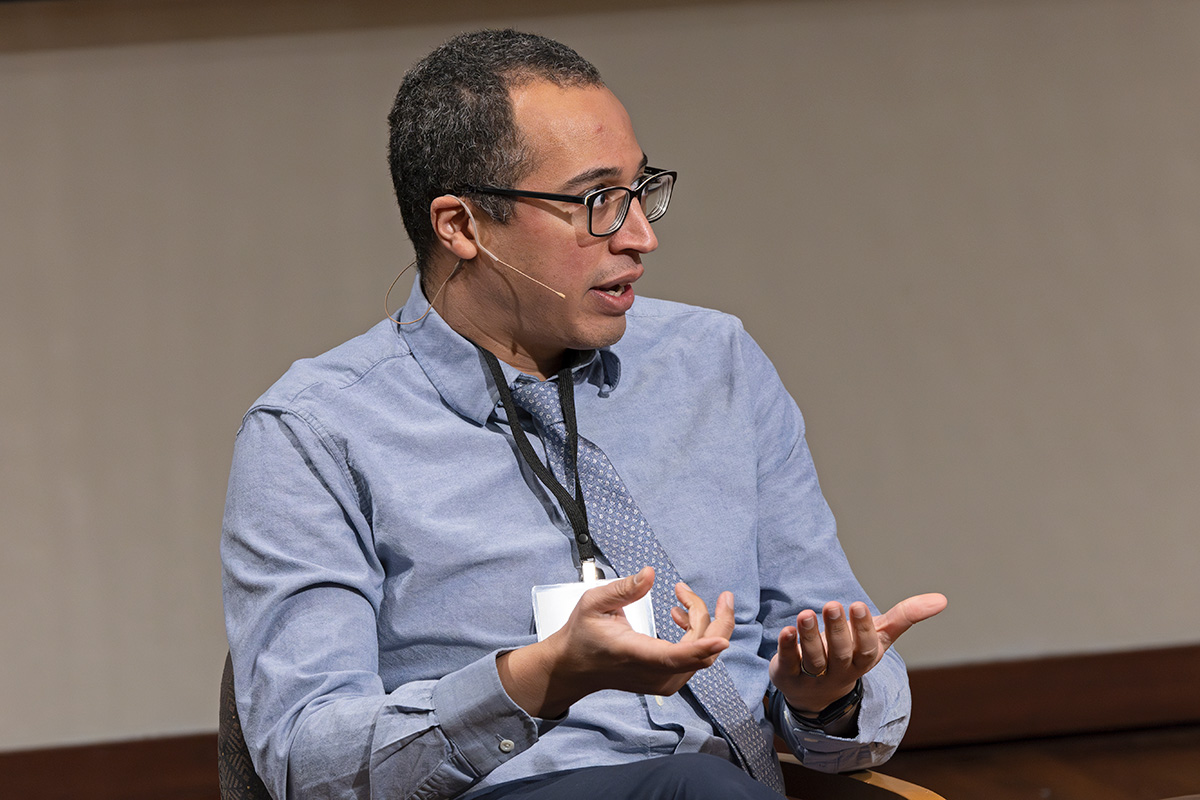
(882, 718)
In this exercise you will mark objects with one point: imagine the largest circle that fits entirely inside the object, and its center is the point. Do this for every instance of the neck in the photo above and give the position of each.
(488, 325)
(540, 368)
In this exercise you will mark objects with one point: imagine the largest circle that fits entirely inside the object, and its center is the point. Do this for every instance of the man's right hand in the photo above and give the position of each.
(597, 649)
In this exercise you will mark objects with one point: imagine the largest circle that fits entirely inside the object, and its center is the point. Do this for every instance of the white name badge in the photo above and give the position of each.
(553, 604)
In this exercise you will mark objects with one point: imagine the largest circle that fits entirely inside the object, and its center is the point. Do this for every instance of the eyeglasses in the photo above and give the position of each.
(609, 205)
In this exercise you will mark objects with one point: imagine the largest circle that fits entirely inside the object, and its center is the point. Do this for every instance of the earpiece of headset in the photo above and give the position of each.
(480, 245)
(496, 258)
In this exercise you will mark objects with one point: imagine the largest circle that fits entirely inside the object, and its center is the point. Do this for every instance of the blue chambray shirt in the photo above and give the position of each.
(382, 535)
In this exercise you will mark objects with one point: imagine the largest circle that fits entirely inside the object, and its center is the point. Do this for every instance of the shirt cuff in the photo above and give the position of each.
(882, 718)
(482, 723)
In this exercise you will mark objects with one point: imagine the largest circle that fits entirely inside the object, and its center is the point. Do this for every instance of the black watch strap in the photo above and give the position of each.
(831, 713)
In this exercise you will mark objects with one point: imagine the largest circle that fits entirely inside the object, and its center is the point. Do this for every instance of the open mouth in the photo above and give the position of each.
(614, 291)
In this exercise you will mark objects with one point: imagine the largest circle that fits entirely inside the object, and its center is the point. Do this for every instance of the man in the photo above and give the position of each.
(386, 524)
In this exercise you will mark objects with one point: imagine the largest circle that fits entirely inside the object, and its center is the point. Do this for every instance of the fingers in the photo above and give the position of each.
(866, 639)
(598, 649)
(856, 641)
(688, 655)
(723, 625)
(650, 656)
(839, 638)
(850, 644)
(814, 668)
(787, 655)
(812, 661)
(696, 619)
(902, 616)
(664, 668)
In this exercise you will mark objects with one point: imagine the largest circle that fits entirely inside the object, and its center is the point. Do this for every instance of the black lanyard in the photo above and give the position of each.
(572, 506)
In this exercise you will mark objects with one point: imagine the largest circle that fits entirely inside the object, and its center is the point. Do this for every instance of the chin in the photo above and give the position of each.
(603, 336)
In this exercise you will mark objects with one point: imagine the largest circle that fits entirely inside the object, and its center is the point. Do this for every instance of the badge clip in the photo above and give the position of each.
(589, 572)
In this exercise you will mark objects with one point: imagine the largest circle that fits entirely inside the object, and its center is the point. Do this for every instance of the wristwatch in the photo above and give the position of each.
(831, 713)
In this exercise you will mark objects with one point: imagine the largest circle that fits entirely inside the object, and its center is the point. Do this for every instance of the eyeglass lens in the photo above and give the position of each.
(609, 207)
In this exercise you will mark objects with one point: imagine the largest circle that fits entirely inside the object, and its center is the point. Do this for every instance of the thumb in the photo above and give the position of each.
(902, 616)
(618, 594)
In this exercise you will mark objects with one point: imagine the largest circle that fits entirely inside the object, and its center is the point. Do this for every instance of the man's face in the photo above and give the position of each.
(578, 139)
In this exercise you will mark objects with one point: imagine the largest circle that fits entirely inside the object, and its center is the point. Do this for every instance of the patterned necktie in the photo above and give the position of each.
(626, 539)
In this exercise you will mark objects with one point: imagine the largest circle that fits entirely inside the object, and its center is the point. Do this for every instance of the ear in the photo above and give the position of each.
(452, 226)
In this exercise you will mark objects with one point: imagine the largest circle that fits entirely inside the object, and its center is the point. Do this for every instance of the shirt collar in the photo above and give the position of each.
(456, 368)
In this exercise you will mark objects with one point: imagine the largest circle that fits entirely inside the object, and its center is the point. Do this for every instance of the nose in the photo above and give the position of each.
(636, 233)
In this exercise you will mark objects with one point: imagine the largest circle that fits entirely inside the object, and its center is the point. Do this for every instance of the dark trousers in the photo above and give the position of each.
(692, 776)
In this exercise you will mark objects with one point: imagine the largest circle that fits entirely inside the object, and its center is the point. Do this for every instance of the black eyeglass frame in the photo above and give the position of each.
(588, 199)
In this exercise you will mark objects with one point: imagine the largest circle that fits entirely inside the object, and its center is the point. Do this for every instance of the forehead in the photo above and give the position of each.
(575, 130)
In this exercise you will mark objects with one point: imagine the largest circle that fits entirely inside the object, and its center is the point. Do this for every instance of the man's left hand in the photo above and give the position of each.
(814, 669)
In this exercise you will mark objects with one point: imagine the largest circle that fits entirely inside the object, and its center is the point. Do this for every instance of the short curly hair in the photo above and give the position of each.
(452, 125)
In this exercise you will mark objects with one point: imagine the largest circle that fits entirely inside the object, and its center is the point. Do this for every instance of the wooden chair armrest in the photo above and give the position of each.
(806, 784)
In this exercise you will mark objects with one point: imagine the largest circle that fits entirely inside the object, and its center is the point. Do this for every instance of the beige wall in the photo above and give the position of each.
(967, 233)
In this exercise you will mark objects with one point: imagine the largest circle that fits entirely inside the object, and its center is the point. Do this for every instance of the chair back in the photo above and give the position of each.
(235, 771)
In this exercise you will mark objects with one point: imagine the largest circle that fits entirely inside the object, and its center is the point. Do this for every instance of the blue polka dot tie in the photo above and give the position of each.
(626, 539)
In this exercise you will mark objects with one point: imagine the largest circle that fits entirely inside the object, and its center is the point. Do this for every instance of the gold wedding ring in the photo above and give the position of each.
(812, 674)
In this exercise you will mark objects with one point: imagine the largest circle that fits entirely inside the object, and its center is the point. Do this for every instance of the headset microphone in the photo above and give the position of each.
(497, 258)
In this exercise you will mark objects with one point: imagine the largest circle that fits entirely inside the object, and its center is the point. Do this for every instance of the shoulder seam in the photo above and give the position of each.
(341, 386)
(314, 425)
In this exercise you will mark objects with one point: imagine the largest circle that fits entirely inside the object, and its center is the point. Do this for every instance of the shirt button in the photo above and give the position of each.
(506, 745)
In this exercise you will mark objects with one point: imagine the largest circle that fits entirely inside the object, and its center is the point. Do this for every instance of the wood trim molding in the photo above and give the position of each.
(951, 706)
(1054, 696)
(110, 23)
(175, 767)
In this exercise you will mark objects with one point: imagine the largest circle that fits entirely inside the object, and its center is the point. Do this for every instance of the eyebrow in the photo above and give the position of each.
(599, 173)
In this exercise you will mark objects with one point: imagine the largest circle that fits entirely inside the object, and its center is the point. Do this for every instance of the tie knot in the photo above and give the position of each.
(540, 399)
